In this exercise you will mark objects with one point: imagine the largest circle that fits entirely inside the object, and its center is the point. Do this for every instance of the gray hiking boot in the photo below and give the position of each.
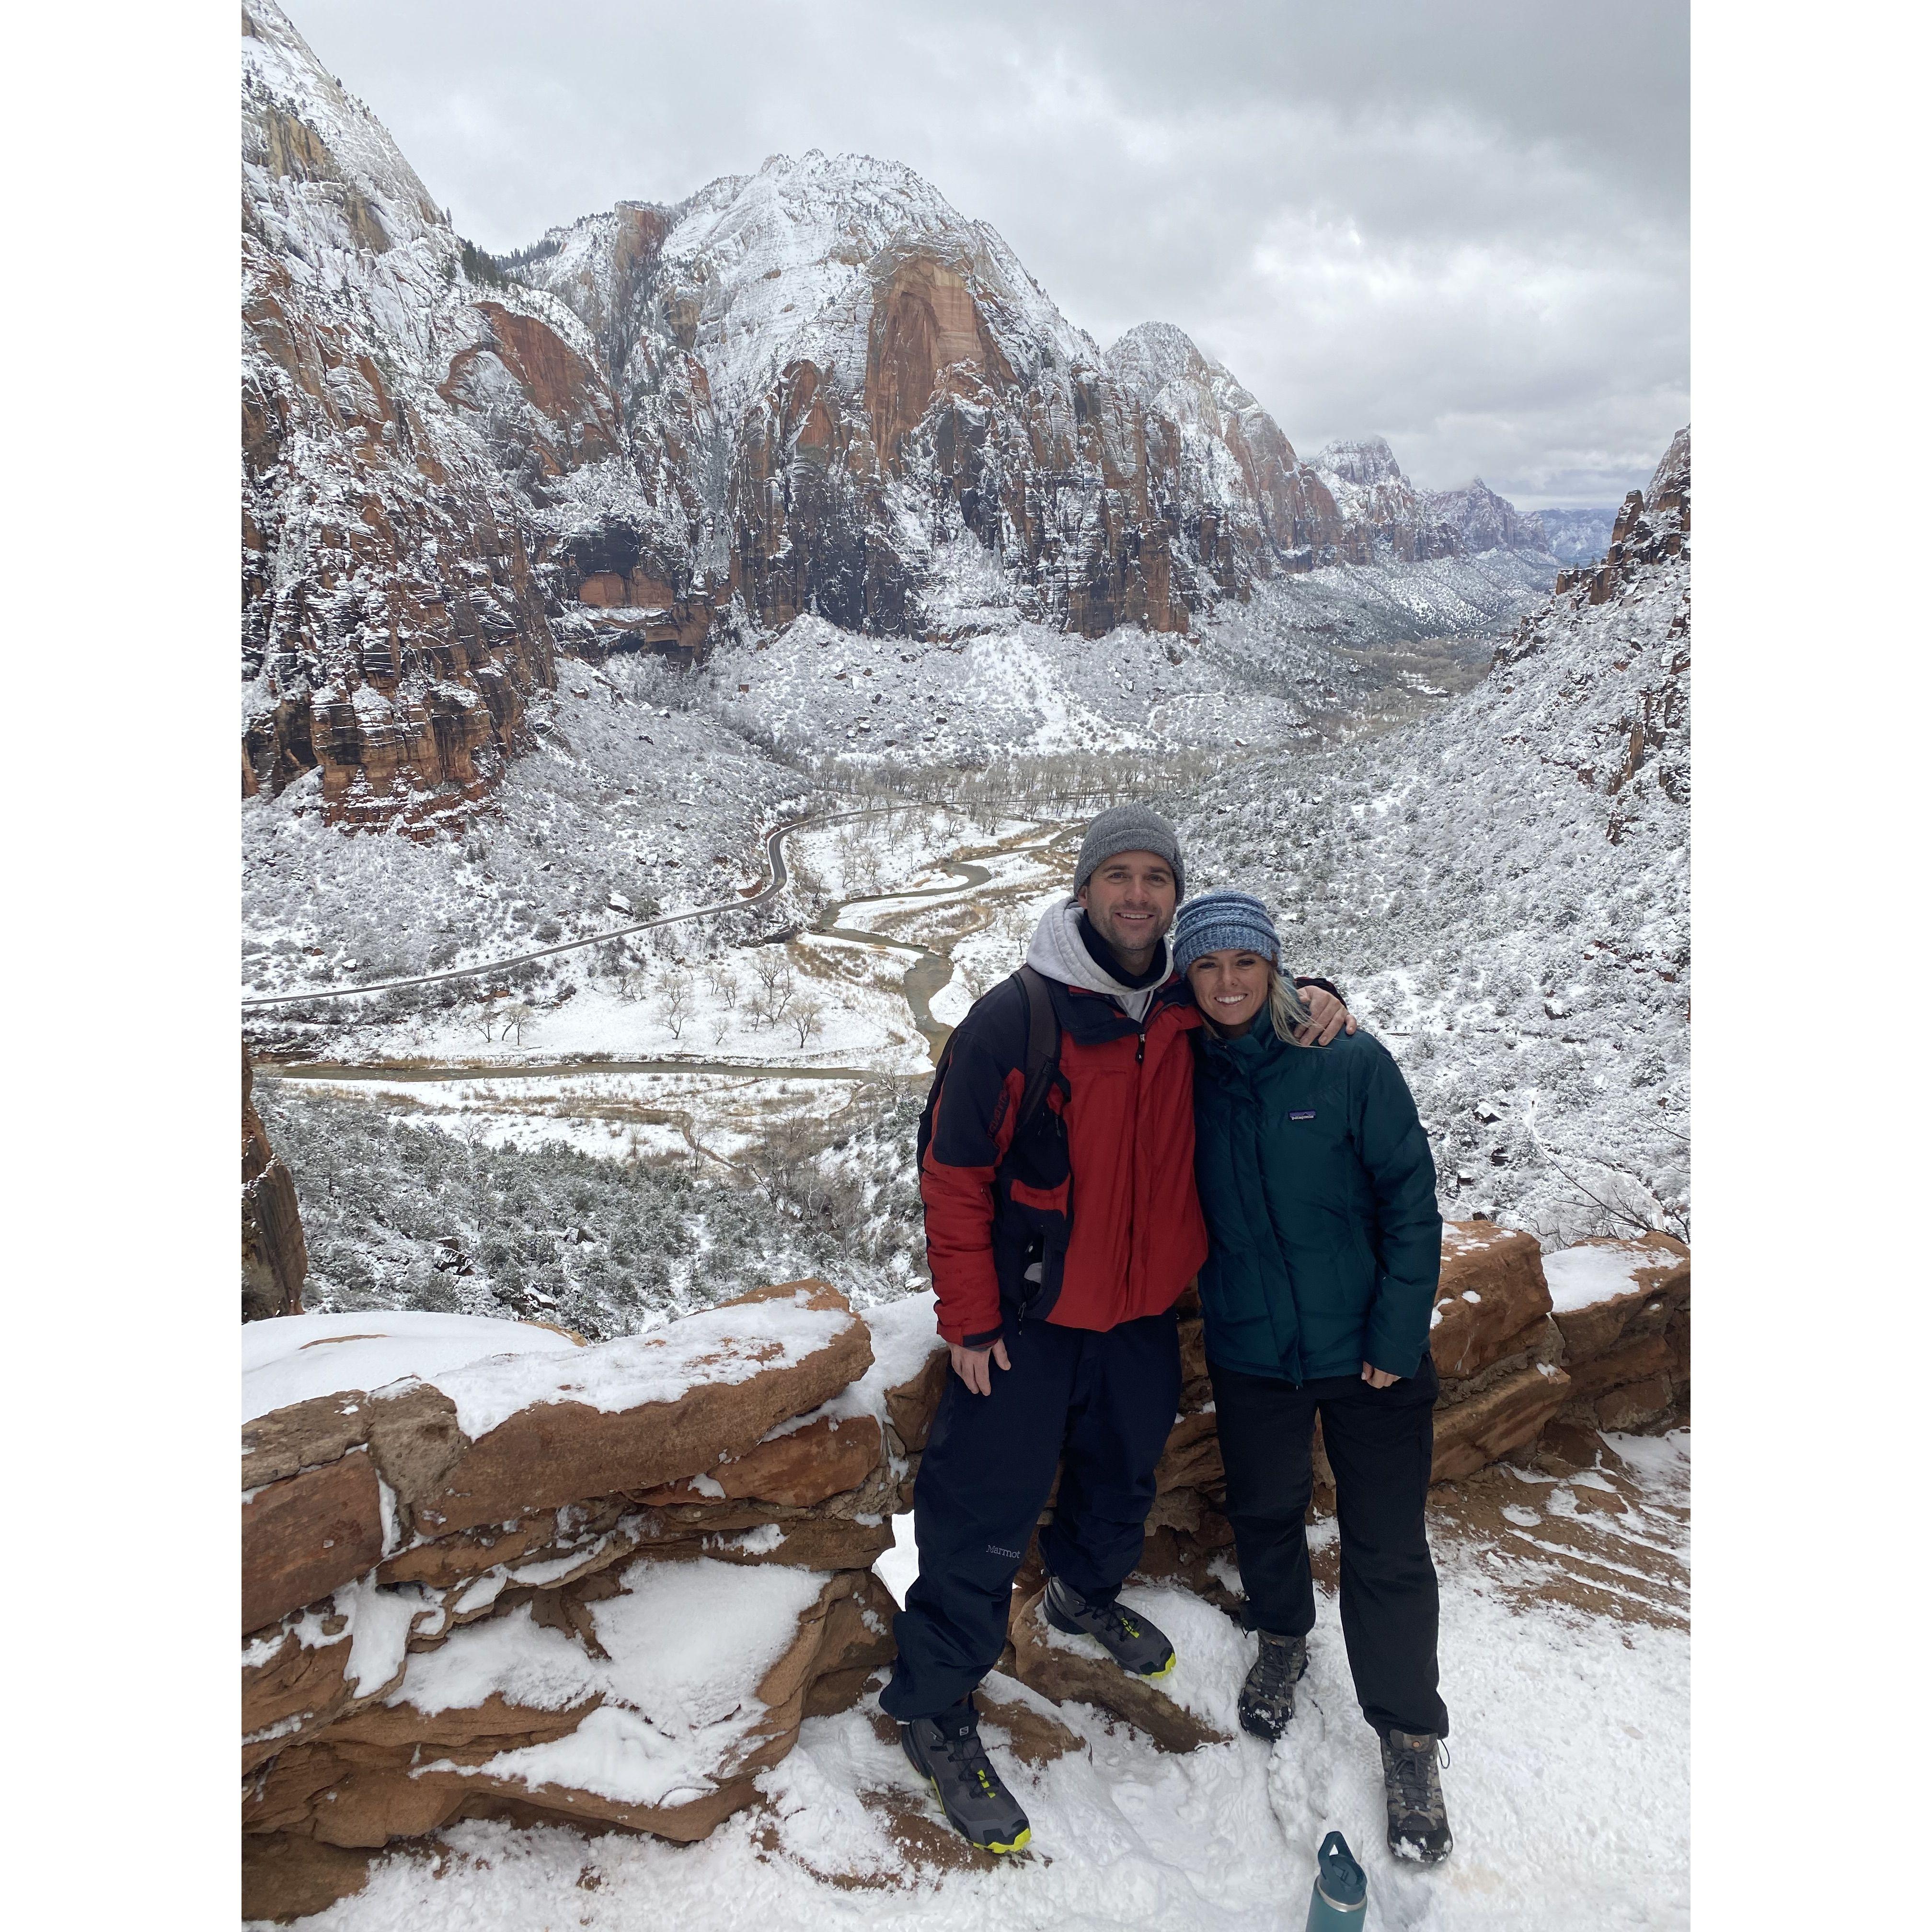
(1134, 1644)
(946, 1752)
(1267, 1697)
(1418, 1821)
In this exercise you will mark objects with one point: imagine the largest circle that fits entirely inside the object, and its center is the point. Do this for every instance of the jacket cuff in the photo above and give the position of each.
(984, 1341)
(1327, 985)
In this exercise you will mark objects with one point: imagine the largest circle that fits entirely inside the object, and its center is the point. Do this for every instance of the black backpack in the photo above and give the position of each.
(1042, 1054)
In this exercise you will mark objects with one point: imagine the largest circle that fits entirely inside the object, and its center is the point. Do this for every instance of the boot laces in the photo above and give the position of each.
(1414, 1766)
(963, 1745)
(1276, 1663)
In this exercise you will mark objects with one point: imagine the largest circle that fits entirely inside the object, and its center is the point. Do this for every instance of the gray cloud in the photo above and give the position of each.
(1463, 227)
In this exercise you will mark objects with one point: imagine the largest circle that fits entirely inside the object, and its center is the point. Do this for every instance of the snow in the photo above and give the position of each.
(905, 1333)
(718, 1346)
(688, 1643)
(491, 1369)
(1568, 1786)
(1580, 1276)
(291, 1358)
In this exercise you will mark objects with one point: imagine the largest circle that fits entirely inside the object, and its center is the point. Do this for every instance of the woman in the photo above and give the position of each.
(1319, 1192)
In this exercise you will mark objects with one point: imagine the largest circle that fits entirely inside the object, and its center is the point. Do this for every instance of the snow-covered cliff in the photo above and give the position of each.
(1504, 889)
(817, 388)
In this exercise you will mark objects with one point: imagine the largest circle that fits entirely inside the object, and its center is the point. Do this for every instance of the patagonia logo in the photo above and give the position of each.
(1308, 1115)
(993, 1549)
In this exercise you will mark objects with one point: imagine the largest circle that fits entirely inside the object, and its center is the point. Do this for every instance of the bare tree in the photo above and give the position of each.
(673, 1002)
(517, 1014)
(636, 983)
(808, 1021)
(720, 1025)
(769, 966)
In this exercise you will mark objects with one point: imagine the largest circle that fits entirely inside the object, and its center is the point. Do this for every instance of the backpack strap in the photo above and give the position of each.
(1043, 1052)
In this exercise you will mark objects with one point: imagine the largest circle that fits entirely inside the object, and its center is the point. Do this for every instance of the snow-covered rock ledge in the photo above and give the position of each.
(1533, 1350)
(489, 1571)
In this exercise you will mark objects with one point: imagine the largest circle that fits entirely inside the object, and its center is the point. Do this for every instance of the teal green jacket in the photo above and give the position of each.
(1319, 1189)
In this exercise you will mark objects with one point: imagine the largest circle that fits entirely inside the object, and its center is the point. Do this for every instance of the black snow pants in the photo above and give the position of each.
(1104, 1401)
(1379, 1443)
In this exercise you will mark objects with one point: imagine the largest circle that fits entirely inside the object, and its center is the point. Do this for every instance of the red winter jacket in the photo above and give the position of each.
(1098, 1194)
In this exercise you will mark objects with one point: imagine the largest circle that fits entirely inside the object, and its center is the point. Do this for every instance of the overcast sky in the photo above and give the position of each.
(1463, 227)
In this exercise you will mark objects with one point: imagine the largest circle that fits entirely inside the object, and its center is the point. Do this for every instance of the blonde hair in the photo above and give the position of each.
(1285, 1006)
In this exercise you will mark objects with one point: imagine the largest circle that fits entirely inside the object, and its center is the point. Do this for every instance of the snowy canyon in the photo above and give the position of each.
(680, 658)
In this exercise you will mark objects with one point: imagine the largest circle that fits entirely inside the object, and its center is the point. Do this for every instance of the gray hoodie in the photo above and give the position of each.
(1059, 953)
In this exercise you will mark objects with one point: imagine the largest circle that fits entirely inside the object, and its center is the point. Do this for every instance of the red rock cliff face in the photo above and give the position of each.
(882, 383)
(401, 433)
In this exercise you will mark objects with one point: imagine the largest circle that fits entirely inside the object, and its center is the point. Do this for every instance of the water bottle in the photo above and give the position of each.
(1340, 1899)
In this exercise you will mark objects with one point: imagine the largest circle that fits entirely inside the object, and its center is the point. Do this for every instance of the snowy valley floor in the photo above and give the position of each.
(1565, 1654)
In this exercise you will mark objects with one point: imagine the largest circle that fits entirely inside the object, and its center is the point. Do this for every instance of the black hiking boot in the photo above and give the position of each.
(946, 1752)
(1418, 1821)
(1267, 1697)
(1134, 1644)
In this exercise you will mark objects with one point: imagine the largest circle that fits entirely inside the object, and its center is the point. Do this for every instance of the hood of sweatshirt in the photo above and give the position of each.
(1059, 953)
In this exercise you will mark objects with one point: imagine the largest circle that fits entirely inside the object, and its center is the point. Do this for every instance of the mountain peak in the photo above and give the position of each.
(1152, 354)
(1364, 460)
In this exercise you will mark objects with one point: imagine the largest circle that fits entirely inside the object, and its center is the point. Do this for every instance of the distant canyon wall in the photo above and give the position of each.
(814, 388)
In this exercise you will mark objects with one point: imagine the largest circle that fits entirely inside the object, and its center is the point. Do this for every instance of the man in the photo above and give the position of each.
(1059, 1236)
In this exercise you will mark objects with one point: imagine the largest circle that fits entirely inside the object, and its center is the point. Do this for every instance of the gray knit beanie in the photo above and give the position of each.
(1227, 921)
(1128, 828)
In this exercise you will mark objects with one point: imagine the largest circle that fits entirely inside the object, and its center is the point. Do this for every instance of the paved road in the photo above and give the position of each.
(930, 970)
(483, 1070)
(775, 863)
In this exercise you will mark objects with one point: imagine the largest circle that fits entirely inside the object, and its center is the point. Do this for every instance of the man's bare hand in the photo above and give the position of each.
(972, 1367)
(1377, 1377)
(1327, 1016)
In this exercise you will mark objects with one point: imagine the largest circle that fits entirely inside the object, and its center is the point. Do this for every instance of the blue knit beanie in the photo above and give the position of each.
(1223, 921)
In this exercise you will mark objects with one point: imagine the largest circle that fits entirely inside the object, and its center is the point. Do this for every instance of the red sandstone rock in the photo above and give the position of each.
(1067, 1676)
(801, 1467)
(1647, 1356)
(306, 1534)
(1492, 1289)
(1658, 1267)
(912, 1404)
(394, 1770)
(1469, 1435)
(552, 1452)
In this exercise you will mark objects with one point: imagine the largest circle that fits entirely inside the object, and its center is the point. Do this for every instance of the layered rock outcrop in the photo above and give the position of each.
(274, 1256)
(551, 1581)
(1623, 1307)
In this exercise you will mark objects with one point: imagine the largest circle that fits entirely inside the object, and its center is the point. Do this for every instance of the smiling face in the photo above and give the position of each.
(1130, 900)
(1230, 987)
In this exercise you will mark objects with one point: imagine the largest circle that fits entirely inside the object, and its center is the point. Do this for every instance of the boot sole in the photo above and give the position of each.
(1410, 1852)
(1019, 1844)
